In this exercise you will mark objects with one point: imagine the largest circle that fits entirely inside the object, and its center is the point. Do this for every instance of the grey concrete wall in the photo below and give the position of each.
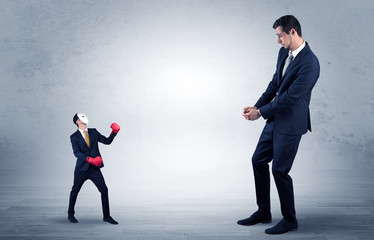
(175, 75)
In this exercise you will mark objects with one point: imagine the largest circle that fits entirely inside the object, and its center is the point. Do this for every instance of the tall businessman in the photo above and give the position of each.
(285, 106)
(85, 147)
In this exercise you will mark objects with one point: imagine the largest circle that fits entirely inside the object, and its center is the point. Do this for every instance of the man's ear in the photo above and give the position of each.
(292, 31)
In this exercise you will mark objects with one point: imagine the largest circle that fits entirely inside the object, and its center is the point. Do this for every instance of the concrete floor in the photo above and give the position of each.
(39, 212)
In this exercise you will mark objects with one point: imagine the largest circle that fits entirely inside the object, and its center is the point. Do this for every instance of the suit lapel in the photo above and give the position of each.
(82, 138)
(293, 64)
(79, 135)
(285, 80)
(298, 58)
(280, 68)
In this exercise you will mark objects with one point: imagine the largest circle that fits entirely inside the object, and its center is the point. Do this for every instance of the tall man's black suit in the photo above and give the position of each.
(285, 106)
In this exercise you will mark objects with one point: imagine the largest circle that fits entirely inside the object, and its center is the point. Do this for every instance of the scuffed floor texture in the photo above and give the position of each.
(341, 208)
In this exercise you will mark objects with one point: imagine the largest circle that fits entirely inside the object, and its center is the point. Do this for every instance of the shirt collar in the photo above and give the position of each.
(80, 130)
(297, 50)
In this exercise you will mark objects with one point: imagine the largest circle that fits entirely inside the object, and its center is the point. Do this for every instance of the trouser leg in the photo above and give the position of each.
(79, 179)
(260, 163)
(98, 179)
(285, 149)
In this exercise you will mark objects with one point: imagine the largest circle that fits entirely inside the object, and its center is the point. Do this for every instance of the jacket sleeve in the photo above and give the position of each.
(271, 90)
(77, 150)
(269, 93)
(106, 140)
(298, 93)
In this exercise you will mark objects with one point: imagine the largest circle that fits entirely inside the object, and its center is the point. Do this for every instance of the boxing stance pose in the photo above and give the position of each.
(85, 147)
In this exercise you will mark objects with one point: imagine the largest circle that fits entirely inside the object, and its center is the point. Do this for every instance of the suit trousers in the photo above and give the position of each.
(282, 150)
(94, 174)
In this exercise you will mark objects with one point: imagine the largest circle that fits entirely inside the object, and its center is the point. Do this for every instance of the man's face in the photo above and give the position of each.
(81, 125)
(283, 38)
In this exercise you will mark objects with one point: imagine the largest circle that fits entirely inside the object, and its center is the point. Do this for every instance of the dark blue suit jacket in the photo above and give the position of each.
(286, 99)
(82, 151)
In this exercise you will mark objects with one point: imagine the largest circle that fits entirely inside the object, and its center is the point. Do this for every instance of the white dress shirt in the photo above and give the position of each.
(297, 50)
(82, 132)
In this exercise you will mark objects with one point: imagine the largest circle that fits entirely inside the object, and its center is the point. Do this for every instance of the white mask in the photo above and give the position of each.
(83, 118)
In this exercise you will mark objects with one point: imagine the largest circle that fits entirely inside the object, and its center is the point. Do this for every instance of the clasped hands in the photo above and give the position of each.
(251, 113)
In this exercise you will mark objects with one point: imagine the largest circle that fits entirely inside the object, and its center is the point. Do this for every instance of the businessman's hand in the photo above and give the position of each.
(254, 114)
(246, 112)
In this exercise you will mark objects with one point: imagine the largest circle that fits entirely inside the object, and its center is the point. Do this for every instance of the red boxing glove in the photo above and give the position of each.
(115, 127)
(97, 161)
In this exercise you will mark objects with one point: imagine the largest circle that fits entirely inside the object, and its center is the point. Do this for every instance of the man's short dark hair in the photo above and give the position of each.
(75, 118)
(287, 23)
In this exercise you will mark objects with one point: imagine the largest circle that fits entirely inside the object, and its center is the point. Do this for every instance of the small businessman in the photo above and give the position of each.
(86, 149)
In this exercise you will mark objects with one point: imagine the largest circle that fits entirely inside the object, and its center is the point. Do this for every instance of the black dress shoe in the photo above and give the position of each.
(282, 227)
(110, 220)
(257, 217)
(72, 219)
